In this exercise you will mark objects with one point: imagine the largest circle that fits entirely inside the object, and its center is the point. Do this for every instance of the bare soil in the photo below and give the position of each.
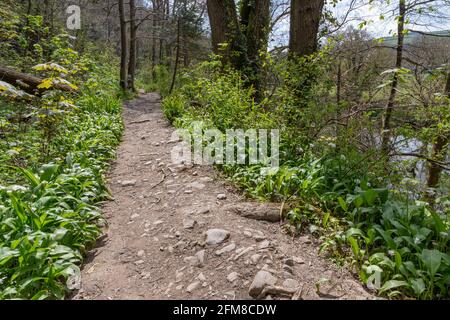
(157, 224)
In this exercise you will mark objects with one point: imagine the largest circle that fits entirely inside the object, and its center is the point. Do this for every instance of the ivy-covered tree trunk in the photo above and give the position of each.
(305, 21)
(255, 23)
(227, 38)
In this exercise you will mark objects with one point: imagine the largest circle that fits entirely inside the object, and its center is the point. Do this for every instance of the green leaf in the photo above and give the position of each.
(325, 220)
(392, 284)
(418, 286)
(48, 170)
(432, 260)
(355, 246)
(343, 204)
(30, 176)
(370, 196)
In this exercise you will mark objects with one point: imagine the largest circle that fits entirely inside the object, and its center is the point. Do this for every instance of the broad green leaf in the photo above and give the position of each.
(432, 260)
(393, 284)
(418, 286)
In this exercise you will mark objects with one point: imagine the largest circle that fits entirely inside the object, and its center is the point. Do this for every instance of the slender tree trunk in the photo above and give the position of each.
(339, 83)
(305, 21)
(123, 42)
(30, 4)
(154, 42)
(439, 146)
(386, 125)
(133, 36)
(177, 57)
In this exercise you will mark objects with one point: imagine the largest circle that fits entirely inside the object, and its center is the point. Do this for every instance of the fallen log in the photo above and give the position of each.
(27, 82)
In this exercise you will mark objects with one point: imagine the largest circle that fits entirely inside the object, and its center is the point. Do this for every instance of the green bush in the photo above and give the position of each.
(173, 107)
(334, 190)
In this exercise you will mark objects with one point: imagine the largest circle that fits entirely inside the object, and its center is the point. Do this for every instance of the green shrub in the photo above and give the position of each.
(338, 192)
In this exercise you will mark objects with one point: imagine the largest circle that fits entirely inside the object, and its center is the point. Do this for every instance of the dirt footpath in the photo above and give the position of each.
(172, 235)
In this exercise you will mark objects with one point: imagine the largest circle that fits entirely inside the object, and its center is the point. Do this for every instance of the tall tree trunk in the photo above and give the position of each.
(227, 38)
(305, 20)
(123, 42)
(386, 125)
(439, 146)
(133, 36)
(30, 4)
(255, 23)
(177, 57)
(154, 40)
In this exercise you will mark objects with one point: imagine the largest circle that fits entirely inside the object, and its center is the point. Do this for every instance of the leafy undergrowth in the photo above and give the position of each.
(48, 221)
(54, 149)
(398, 245)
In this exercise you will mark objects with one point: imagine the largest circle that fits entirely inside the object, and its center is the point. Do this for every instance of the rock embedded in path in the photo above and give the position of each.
(202, 211)
(128, 183)
(288, 269)
(193, 286)
(198, 260)
(221, 196)
(255, 258)
(216, 236)
(201, 258)
(226, 249)
(261, 280)
(289, 262)
(264, 212)
(189, 224)
(232, 277)
(291, 284)
(201, 277)
(248, 234)
(197, 185)
(243, 252)
(141, 253)
(264, 245)
(299, 260)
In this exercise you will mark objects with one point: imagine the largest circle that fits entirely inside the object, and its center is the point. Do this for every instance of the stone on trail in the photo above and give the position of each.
(226, 249)
(128, 183)
(261, 280)
(201, 258)
(202, 211)
(197, 185)
(221, 196)
(265, 212)
(299, 260)
(198, 260)
(289, 262)
(193, 286)
(216, 236)
(141, 253)
(264, 245)
(255, 258)
(232, 277)
(291, 284)
(189, 223)
(201, 277)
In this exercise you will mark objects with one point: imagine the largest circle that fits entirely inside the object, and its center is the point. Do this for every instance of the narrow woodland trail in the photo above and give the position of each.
(155, 245)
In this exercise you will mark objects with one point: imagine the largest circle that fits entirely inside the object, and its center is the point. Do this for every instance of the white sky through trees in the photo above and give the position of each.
(380, 17)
